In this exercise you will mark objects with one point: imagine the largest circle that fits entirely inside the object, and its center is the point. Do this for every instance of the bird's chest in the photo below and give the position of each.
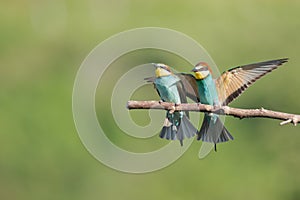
(167, 89)
(207, 91)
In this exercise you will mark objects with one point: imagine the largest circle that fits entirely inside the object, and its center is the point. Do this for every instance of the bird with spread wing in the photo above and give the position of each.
(221, 91)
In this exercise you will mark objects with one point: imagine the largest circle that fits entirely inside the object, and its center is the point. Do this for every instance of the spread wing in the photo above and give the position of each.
(235, 81)
(190, 86)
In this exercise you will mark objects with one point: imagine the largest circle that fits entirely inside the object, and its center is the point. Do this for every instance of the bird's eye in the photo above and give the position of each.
(165, 67)
(161, 66)
(203, 68)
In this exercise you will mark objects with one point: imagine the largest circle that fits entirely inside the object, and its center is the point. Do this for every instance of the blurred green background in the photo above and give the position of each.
(42, 44)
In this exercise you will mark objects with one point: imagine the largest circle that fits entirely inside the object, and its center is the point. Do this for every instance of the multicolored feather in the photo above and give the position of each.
(232, 83)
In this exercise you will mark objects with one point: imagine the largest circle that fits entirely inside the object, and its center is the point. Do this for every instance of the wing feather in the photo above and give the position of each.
(235, 81)
(190, 86)
(182, 95)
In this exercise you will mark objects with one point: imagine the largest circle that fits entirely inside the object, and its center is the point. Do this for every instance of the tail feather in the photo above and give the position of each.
(168, 134)
(167, 130)
(187, 127)
(213, 130)
(184, 130)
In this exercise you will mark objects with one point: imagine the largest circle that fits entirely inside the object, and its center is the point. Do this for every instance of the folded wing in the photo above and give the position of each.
(190, 86)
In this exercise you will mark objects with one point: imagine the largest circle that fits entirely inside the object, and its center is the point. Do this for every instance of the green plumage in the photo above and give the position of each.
(212, 129)
(176, 125)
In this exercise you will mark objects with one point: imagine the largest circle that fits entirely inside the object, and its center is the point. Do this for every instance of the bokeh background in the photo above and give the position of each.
(43, 43)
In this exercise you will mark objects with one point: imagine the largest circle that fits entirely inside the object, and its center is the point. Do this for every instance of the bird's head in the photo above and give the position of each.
(162, 70)
(201, 70)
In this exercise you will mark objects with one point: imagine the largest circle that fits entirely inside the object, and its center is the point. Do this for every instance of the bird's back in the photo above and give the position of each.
(167, 88)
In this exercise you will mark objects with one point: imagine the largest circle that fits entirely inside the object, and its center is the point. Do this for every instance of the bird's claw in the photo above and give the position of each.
(172, 110)
(215, 107)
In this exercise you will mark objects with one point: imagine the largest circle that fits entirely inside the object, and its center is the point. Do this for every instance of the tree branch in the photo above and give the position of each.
(222, 110)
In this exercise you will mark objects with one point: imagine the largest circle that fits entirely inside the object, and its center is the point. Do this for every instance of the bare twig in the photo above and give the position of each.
(223, 110)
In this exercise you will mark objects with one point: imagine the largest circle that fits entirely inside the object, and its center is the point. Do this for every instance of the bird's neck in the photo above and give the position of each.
(200, 77)
(162, 72)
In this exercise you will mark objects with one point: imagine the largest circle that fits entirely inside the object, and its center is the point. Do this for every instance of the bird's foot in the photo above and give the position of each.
(176, 104)
(199, 104)
(218, 109)
(172, 110)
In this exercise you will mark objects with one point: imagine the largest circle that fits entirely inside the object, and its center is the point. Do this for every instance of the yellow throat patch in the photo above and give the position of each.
(161, 72)
(199, 75)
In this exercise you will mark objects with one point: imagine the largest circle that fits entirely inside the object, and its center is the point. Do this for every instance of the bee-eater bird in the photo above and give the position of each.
(170, 89)
(222, 91)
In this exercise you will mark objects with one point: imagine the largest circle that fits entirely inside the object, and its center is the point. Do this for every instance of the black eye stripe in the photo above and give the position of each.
(162, 66)
(203, 69)
(165, 67)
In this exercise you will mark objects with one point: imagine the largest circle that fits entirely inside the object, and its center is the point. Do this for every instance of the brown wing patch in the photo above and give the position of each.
(190, 86)
(182, 95)
(235, 81)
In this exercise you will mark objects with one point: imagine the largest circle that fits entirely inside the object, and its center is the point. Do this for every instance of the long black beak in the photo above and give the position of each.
(194, 70)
